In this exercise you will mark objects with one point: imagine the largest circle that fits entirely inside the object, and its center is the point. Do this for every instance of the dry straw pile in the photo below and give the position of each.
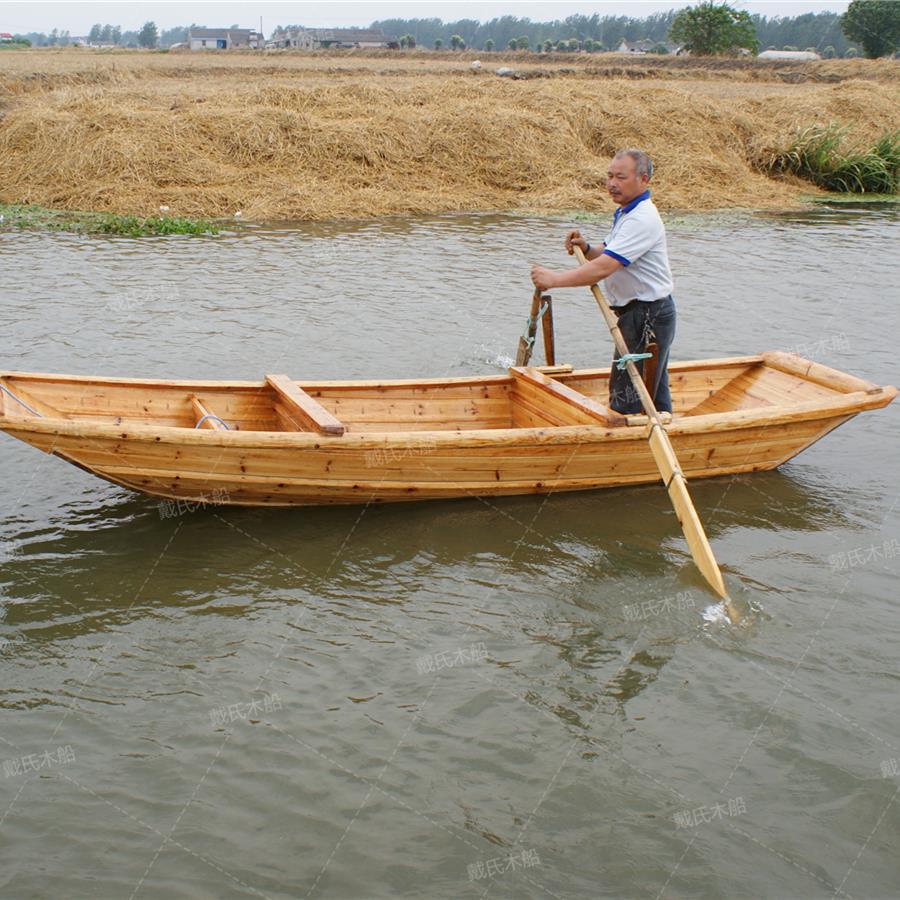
(282, 141)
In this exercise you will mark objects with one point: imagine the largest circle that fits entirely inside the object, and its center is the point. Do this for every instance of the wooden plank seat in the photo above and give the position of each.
(559, 403)
(301, 411)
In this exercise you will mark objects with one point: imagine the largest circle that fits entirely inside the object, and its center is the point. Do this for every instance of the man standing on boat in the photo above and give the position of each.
(633, 266)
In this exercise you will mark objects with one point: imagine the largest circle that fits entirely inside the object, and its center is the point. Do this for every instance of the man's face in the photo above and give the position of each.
(623, 182)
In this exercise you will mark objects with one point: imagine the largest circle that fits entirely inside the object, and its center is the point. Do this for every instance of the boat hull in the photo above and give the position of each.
(395, 469)
(253, 467)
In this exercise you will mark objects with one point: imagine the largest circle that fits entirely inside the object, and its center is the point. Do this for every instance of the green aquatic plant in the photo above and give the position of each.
(41, 218)
(137, 226)
(818, 155)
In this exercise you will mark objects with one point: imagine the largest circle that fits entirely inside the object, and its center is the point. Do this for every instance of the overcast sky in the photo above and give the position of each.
(77, 17)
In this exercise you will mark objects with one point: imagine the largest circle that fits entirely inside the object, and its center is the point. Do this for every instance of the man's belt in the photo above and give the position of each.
(621, 310)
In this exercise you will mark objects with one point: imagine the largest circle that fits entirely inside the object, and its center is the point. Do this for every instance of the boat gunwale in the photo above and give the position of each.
(400, 383)
(732, 420)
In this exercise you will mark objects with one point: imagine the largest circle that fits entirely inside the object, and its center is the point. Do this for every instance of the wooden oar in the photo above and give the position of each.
(667, 463)
(526, 341)
(547, 325)
(541, 308)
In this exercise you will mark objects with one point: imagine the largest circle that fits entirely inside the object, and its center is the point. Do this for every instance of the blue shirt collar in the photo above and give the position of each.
(628, 207)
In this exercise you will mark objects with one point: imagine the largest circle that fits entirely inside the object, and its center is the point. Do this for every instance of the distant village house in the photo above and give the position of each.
(648, 46)
(5, 37)
(323, 38)
(224, 39)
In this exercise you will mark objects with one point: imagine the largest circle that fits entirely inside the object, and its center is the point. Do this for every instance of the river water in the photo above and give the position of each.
(518, 698)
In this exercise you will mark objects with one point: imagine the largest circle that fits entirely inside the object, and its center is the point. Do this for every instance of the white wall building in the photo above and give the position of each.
(789, 54)
(319, 38)
(224, 39)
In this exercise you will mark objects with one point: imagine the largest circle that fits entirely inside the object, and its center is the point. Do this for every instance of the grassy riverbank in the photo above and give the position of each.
(39, 217)
(350, 135)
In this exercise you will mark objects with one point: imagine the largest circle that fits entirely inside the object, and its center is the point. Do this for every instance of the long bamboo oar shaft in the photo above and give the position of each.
(667, 462)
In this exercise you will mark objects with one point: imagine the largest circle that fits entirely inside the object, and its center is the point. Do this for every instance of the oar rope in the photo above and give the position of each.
(531, 338)
(625, 358)
(665, 459)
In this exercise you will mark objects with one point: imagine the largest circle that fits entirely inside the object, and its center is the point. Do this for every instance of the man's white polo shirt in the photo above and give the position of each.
(637, 239)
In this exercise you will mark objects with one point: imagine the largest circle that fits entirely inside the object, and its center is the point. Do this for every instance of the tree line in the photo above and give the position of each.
(113, 35)
(872, 24)
(817, 31)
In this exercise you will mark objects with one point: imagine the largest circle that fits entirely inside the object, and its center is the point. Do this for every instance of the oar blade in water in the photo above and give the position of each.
(676, 485)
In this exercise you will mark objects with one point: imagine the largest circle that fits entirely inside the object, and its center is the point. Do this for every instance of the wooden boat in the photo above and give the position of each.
(279, 442)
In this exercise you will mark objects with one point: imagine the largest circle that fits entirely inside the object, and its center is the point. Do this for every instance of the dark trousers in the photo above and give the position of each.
(639, 322)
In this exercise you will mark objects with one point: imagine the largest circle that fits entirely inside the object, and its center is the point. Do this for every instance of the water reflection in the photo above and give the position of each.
(87, 559)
